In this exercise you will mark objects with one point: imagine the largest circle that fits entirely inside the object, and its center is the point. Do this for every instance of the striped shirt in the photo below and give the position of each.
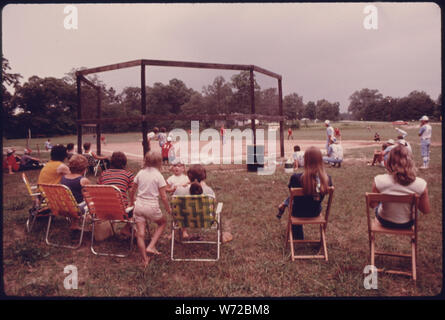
(121, 178)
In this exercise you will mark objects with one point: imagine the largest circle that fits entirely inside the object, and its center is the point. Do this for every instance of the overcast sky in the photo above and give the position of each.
(321, 50)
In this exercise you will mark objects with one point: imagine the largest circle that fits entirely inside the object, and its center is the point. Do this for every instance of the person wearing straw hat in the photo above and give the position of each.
(425, 141)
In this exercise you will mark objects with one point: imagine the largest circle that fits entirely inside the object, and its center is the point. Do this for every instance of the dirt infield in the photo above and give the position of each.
(134, 150)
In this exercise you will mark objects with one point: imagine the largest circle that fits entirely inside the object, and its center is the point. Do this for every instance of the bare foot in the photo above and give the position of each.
(152, 251)
(185, 235)
(145, 262)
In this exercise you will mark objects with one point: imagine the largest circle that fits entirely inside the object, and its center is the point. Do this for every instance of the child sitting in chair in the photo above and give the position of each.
(178, 179)
(315, 183)
(298, 157)
(196, 174)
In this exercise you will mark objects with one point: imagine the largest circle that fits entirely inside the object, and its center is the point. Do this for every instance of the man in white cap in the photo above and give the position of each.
(425, 141)
(329, 133)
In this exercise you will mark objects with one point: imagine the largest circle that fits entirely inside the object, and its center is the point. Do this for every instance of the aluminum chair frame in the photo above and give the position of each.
(64, 204)
(96, 210)
(98, 165)
(321, 220)
(39, 207)
(375, 227)
(215, 224)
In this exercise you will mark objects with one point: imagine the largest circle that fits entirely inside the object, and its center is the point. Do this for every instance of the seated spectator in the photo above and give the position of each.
(378, 156)
(117, 175)
(69, 150)
(298, 157)
(196, 174)
(75, 180)
(314, 182)
(400, 180)
(53, 171)
(335, 153)
(89, 153)
(389, 145)
(12, 162)
(29, 163)
(178, 179)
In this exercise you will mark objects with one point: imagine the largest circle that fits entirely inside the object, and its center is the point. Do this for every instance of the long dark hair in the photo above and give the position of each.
(313, 168)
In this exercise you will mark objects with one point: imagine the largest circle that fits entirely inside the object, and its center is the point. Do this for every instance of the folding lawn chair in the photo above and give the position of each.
(39, 205)
(321, 220)
(105, 203)
(196, 212)
(375, 227)
(93, 164)
(62, 203)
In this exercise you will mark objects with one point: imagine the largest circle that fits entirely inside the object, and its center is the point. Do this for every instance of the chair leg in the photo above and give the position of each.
(372, 250)
(47, 230)
(291, 240)
(286, 241)
(414, 258)
(60, 245)
(30, 222)
(173, 243)
(92, 237)
(132, 237)
(323, 239)
(110, 254)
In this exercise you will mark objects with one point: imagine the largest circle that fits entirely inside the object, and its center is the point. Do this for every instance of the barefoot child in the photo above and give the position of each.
(148, 186)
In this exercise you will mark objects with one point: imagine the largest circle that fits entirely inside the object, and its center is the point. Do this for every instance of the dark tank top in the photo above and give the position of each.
(75, 187)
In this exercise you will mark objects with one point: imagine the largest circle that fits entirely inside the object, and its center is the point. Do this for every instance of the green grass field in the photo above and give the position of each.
(255, 263)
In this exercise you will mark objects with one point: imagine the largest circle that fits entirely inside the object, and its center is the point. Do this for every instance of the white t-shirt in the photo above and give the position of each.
(149, 180)
(299, 156)
(425, 132)
(329, 132)
(397, 212)
(185, 191)
(178, 181)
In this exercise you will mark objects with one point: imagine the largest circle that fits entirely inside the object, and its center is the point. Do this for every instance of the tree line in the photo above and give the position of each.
(48, 106)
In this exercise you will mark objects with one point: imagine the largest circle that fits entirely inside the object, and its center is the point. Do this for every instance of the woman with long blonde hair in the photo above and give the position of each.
(315, 182)
(400, 179)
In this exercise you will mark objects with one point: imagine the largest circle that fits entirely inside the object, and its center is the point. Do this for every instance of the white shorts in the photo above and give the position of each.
(146, 211)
